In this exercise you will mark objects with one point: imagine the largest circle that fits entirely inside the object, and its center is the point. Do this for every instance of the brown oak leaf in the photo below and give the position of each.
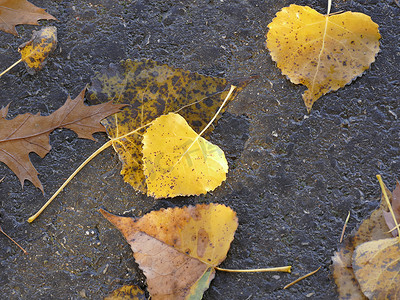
(30, 133)
(14, 12)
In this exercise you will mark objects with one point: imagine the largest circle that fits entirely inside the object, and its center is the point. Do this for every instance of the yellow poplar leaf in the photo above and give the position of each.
(178, 162)
(376, 265)
(35, 51)
(127, 292)
(322, 52)
(178, 248)
(153, 89)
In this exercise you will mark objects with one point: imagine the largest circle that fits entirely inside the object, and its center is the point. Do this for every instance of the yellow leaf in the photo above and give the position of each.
(178, 248)
(35, 51)
(322, 52)
(127, 292)
(178, 162)
(376, 265)
(153, 89)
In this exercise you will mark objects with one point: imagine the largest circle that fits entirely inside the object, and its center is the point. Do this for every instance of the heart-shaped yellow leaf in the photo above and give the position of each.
(322, 52)
(178, 162)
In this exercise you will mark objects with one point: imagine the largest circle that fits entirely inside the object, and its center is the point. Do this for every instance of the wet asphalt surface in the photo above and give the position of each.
(293, 176)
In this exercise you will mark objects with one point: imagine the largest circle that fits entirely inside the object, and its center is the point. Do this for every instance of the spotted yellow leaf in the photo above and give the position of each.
(178, 162)
(322, 52)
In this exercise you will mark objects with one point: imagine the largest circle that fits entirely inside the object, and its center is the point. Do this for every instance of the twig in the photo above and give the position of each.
(344, 227)
(1, 229)
(301, 278)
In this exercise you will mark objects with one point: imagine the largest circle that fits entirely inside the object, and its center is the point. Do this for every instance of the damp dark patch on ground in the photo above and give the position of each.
(293, 176)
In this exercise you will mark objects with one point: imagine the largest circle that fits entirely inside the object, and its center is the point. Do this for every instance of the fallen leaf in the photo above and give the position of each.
(178, 248)
(153, 89)
(372, 228)
(376, 265)
(35, 51)
(395, 202)
(322, 52)
(178, 162)
(127, 292)
(14, 12)
(30, 133)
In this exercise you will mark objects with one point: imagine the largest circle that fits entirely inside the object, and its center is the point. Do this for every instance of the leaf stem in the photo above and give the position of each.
(301, 278)
(208, 125)
(9, 68)
(277, 269)
(1, 229)
(329, 7)
(344, 227)
(94, 154)
(388, 203)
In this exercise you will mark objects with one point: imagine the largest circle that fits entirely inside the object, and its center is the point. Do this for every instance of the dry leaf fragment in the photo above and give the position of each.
(322, 52)
(153, 89)
(376, 265)
(372, 228)
(127, 292)
(178, 248)
(30, 133)
(14, 12)
(35, 51)
(177, 162)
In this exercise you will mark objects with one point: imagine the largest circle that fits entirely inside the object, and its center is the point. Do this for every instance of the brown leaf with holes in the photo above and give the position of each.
(28, 133)
(14, 12)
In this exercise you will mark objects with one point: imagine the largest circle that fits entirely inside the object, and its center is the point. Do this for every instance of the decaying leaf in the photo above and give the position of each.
(372, 228)
(14, 12)
(153, 89)
(30, 133)
(322, 52)
(376, 265)
(395, 202)
(35, 51)
(178, 248)
(178, 162)
(127, 292)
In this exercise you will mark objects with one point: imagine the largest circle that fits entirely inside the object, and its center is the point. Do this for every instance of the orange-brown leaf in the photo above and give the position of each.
(30, 133)
(14, 12)
(178, 248)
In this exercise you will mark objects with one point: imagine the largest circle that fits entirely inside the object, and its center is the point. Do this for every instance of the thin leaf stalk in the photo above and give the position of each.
(10, 67)
(388, 204)
(286, 269)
